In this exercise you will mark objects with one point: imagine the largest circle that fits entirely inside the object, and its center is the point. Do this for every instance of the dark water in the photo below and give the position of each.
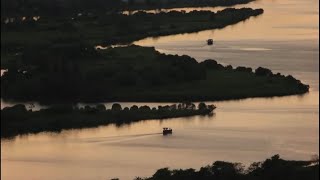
(284, 39)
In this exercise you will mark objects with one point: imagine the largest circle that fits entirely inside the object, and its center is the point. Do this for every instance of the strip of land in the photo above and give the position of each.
(78, 73)
(17, 120)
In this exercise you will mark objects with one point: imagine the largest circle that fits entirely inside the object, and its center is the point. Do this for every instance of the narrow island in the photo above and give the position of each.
(274, 168)
(17, 120)
(72, 71)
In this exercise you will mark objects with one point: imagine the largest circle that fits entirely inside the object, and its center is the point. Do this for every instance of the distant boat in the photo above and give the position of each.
(166, 131)
(210, 41)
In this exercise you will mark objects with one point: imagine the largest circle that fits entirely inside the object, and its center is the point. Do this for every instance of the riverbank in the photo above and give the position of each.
(272, 168)
(17, 120)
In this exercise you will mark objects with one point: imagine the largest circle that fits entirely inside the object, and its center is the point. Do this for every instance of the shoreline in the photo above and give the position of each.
(149, 101)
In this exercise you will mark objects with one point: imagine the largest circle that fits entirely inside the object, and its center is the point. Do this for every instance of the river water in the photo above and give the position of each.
(284, 39)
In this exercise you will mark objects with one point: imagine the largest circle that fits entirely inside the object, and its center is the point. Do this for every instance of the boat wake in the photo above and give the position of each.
(113, 139)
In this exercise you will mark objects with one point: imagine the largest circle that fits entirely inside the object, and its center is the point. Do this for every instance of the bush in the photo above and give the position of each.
(202, 106)
(244, 69)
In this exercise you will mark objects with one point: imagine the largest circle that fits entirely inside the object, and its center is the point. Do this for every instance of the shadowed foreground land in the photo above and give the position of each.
(79, 73)
(274, 168)
(17, 120)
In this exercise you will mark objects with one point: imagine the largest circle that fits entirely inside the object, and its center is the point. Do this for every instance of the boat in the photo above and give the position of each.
(166, 131)
(210, 41)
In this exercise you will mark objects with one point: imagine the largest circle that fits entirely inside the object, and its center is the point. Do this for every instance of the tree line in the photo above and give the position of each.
(18, 120)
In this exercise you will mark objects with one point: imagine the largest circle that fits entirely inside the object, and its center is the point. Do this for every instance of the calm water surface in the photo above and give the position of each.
(284, 39)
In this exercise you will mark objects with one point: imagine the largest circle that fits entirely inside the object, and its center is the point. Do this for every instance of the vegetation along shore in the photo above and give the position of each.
(17, 120)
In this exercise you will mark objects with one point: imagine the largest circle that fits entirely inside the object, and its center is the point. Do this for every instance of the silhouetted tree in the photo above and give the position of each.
(116, 107)
(134, 108)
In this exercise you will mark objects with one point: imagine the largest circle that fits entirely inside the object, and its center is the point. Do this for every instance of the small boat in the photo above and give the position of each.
(210, 41)
(166, 131)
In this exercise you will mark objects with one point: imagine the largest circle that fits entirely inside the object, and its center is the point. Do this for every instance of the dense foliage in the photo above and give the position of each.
(273, 168)
(134, 73)
(18, 120)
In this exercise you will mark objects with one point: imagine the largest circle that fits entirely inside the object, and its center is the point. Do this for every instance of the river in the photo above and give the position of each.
(284, 39)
